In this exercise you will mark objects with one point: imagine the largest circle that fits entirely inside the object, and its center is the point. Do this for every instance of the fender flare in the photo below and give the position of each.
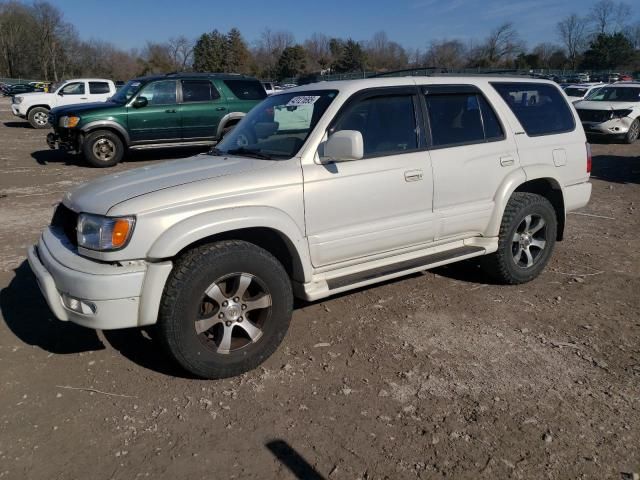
(510, 184)
(198, 227)
(224, 120)
(109, 124)
(38, 105)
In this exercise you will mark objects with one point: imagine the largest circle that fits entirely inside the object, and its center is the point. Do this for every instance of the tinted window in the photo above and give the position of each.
(246, 89)
(455, 119)
(615, 94)
(387, 124)
(98, 87)
(492, 127)
(73, 88)
(541, 109)
(575, 91)
(160, 93)
(198, 91)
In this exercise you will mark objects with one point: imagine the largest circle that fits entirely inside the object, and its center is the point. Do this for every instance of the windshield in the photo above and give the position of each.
(124, 94)
(277, 127)
(615, 94)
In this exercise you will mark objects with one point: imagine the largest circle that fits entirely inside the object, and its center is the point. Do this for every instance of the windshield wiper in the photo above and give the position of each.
(249, 153)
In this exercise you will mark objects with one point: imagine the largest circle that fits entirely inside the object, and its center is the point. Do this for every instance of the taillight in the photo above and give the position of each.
(588, 157)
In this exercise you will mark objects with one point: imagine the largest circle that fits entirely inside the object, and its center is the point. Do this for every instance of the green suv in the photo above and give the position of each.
(174, 110)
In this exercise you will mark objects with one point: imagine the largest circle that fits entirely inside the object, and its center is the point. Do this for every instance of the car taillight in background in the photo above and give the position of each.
(589, 158)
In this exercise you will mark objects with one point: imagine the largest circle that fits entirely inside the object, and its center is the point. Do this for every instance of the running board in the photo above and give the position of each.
(152, 146)
(375, 273)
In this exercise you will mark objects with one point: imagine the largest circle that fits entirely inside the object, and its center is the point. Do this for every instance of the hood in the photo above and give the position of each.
(78, 108)
(100, 195)
(588, 105)
(39, 95)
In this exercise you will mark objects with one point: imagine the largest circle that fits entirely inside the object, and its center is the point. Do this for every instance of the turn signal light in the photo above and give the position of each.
(120, 233)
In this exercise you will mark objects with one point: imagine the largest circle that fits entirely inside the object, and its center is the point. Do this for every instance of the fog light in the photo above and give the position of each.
(78, 305)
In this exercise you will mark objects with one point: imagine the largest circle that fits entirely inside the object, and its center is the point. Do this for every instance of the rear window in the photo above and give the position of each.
(246, 89)
(198, 91)
(575, 92)
(540, 108)
(98, 87)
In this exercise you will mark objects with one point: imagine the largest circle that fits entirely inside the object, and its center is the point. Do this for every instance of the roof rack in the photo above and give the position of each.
(205, 74)
(443, 72)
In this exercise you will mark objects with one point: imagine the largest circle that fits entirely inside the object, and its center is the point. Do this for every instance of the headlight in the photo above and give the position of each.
(97, 232)
(17, 100)
(69, 122)
(620, 113)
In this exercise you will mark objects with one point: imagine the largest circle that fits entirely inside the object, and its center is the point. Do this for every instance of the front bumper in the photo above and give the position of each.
(15, 109)
(115, 291)
(68, 141)
(616, 126)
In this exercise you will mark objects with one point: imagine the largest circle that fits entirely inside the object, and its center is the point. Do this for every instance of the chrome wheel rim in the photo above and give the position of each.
(233, 313)
(41, 118)
(529, 241)
(104, 149)
(634, 130)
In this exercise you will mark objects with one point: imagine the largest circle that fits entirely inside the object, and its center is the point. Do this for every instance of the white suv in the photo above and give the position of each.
(35, 106)
(318, 190)
(612, 111)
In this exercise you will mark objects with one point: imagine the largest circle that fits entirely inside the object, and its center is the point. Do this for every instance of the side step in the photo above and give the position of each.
(375, 273)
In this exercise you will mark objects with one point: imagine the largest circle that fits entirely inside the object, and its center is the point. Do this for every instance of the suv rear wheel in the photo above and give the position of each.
(634, 132)
(103, 148)
(225, 309)
(526, 240)
(38, 117)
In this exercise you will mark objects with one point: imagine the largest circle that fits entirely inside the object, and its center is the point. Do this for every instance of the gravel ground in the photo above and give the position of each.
(436, 375)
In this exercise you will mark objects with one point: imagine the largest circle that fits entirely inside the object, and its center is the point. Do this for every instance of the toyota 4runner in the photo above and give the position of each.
(318, 190)
(175, 110)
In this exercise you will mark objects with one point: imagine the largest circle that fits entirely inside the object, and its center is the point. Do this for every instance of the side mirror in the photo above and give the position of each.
(344, 146)
(61, 93)
(140, 102)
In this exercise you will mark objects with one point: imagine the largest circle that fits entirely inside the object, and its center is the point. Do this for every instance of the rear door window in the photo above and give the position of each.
(198, 91)
(246, 89)
(541, 109)
(98, 88)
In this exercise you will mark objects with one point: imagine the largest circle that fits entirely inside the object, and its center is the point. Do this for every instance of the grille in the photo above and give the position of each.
(598, 116)
(66, 220)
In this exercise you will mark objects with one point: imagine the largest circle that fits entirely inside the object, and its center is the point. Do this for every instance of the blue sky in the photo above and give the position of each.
(412, 23)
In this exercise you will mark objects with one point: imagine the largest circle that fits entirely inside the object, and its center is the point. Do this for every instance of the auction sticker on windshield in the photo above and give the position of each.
(302, 100)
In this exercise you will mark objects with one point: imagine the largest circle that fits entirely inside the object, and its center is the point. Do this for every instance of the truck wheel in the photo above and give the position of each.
(38, 117)
(225, 309)
(526, 240)
(103, 149)
(634, 132)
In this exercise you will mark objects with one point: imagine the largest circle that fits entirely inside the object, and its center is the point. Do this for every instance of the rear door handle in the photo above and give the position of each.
(507, 161)
(84, 98)
(170, 111)
(413, 175)
(221, 109)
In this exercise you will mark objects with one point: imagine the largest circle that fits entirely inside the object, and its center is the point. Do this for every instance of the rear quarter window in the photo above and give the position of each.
(246, 89)
(541, 109)
(98, 87)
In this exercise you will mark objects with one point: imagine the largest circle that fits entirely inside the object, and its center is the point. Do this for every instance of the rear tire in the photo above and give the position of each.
(526, 240)
(39, 117)
(225, 309)
(634, 132)
(102, 149)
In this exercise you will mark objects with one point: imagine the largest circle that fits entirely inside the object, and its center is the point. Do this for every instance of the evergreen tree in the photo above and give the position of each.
(238, 55)
(608, 52)
(210, 52)
(292, 62)
(352, 58)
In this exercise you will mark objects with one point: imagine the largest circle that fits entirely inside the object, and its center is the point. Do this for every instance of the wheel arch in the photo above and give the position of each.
(550, 189)
(107, 125)
(37, 106)
(231, 118)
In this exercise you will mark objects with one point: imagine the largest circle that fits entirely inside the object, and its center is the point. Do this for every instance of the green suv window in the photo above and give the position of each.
(160, 93)
(198, 91)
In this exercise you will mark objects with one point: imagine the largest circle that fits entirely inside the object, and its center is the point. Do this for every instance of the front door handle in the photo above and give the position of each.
(170, 111)
(413, 175)
(221, 109)
(507, 161)
(84, 98)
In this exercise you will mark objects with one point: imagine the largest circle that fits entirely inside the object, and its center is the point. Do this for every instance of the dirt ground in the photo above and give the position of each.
(437, 375)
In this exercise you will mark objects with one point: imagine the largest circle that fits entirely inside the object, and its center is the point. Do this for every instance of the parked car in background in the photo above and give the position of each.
(35, 107)
(580, 91)
(612, 111)
(18, 88)
(319, 190)
(161, 111)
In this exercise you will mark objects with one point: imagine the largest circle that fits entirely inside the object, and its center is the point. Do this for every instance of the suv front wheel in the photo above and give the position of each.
(225, 309)
(526, 240)
(103, 148)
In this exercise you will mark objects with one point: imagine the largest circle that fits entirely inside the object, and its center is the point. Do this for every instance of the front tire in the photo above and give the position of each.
(634, 132)
(526, 240)
(225, 309)
(103, 149)
(38, 117)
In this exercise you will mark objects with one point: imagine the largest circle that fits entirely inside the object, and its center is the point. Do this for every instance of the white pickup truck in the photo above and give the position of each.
(35, 106)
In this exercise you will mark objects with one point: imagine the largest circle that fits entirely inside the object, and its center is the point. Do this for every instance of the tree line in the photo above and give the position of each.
(36, 42)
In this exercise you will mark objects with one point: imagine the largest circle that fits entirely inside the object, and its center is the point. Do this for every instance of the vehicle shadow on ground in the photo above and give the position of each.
(27, 315)
(18, 124)
(46, 157)
(291, 459)
(617, 169)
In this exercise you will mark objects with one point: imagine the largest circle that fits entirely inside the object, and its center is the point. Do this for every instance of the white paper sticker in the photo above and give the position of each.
(303, 100)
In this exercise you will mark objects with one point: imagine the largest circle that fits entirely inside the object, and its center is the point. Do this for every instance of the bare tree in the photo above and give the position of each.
(502, 45)
(545, 52)
(317, 47)
(446, 54)
(608, 15)
(573, 33)
(270, 47)
(15, 25)
(181, 52)
(384, 54)
(51, 33)
(632, 32)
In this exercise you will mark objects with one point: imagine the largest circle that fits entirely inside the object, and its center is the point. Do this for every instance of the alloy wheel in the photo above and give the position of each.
(529, 241)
